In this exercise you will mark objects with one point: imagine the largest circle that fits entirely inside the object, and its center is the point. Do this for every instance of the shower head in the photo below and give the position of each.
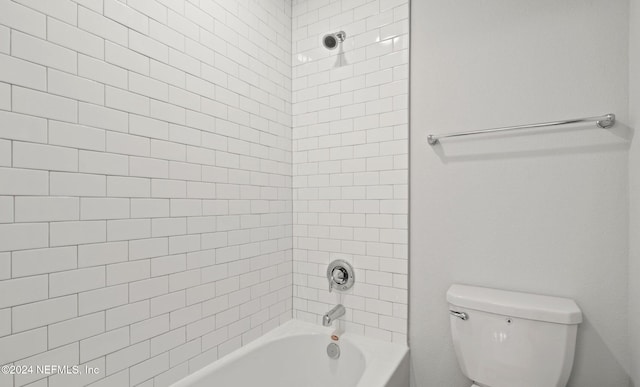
(331, 41)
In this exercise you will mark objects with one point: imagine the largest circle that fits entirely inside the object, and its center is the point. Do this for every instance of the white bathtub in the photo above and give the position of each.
(294, 355)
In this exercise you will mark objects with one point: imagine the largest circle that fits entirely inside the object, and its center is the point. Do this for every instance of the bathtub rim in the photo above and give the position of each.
(382, 358)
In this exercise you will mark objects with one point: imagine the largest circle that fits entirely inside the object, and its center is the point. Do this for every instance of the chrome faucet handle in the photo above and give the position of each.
(340, 275)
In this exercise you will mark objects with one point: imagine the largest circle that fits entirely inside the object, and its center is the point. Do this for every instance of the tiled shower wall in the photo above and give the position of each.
(350, 161)
(145, 184)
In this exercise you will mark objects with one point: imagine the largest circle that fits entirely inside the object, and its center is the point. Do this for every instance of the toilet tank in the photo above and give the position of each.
(512, 339)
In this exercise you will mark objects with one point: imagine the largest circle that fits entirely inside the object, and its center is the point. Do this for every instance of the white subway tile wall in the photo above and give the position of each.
(145, 184)
(350, 161)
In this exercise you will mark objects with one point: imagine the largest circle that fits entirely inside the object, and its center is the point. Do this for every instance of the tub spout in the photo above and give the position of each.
(333, 314)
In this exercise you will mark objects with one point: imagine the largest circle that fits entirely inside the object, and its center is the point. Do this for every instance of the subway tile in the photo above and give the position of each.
(148, 167)
(44, 53)
(167, 303)
(23, 290)
(21, 72)
(364, 94)
(127, 314)
(129, 102)
(22, 345)
(5, 96)
(148, 86)
(161, 227)
(168, 265)
(168, 150)
(182, 24)
(43, 313)
(125, 58)
(5, 39)
(149, 208)
(22, 18)
(214, 338)
(45, 209)
(200, 293)
(118, 379)
(43, 261)
(167, 112)
(103, 344)
(149, 368)
(64, 10)
(6, 209)
(81, 380)
(145, 289)
(47, 157)
(14, 181)
(148, 248)
(102, 299)
(102, 26)
(148, 47)
(102, 253)
(184, 244)
(185, 352)
(167, 341)
(71, 86)
(128, 187)
(23, 236)
(157, 11)
(186, 207)
(64, 355)
(161, 188)
(161, 32)
(44, 105)
(125, 15)
(103, 163)
(74, 38)
(167, 74)
(229, 346)
(104, 208)
(76, 136)
(76, 281)
(127, 357)
(100, 71)
(149, 328)
(75, 233)
(77, 184)
(146, 130)
(102, 117)
(23, 127)
(128, 229)
(128, 144)
(5, 322)
(128, 272)
(148, 127)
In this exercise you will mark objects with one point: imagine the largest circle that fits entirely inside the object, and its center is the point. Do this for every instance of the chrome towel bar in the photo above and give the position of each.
(604, 122)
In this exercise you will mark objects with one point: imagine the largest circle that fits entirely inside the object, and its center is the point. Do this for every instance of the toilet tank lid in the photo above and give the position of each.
(515, 304)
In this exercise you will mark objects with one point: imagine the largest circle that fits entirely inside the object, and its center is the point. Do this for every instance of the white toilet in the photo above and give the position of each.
(511, 339)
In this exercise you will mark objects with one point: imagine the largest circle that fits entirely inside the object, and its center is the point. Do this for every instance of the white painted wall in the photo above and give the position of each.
(145, 184)
(634, 194)
(539, 212)
(350, 161)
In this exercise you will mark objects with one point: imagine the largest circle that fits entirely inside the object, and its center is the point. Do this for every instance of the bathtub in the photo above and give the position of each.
(295, 355)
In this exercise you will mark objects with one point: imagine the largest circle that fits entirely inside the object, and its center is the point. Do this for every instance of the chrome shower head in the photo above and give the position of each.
(331, 41)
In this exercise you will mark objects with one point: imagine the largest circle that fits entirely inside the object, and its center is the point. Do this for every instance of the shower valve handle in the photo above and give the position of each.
(340, 275)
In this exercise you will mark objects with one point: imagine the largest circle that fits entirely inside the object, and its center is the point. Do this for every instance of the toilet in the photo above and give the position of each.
(511, 339)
